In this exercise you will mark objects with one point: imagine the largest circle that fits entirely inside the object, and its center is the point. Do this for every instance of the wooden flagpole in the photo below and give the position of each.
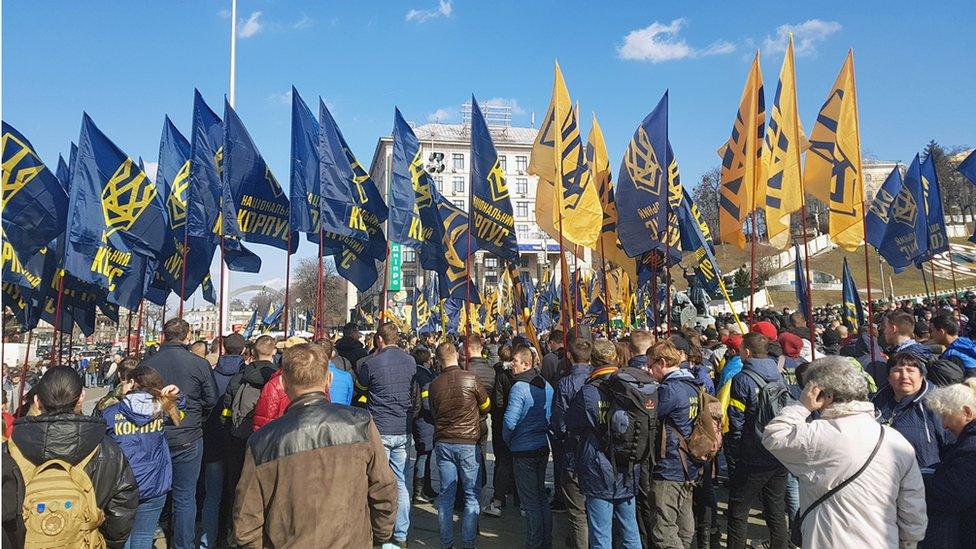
(864, 217)
(803, 214)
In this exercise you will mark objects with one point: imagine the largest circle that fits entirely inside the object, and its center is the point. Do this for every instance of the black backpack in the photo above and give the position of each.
(773, 396)
(631, 418)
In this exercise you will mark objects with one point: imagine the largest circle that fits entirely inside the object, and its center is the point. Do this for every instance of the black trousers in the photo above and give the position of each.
(577, 535)
(745, 487)
(645, 504)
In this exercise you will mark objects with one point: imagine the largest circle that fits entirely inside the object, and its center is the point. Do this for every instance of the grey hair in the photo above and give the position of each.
(951, 400)
(836, 376)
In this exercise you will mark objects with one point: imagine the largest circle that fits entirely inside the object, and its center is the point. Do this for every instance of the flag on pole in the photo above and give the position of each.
(598, 162)
(784, 143)
(249, 328)
(699, 244)
(491, 205)
(304, 169)
(896, 222)
(272, 317)
(800, 283)
(408, 187)
(931, 191)
(642, 188)
(742, 167)
(35, 202)
(852, 311)
(832, 172)
(968, 167)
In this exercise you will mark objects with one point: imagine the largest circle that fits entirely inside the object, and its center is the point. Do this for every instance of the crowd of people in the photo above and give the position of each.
(842, 437)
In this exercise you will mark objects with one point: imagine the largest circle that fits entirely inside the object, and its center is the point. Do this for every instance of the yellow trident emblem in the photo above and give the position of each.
(176, 204)
(905, 209)
(125, 197)
(496, 180)
(642, 164)
(15, 179)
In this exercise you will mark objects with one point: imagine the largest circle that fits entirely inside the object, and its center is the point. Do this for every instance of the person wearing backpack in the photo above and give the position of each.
(607, 479)
(757, 394)
(74, 485)
(136, 422)
(526, 424)
(675, 472)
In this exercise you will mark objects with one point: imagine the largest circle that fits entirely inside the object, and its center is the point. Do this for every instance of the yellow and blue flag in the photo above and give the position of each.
(783, 145)
(852, 310)
(832, 172)
(931, 191)
(260, 202)
(249, 328)
(447, 251)
(491, 206)
(742, 166)
(409, 187)
(452, 314)
(117, 223)
(35, 203)
(273, 317)
(598, 162)
(896, 221)
(643, 187)
(699, 244)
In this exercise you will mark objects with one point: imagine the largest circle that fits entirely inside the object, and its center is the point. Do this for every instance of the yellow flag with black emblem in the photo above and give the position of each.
(742, 167)
(784, 143)
(566, 192)
(598, 162)
(832, 172)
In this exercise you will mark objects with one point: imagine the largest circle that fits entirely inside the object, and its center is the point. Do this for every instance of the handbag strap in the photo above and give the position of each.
(830, 493)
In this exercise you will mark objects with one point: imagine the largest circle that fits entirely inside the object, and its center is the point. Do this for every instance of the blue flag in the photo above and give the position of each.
(340, 202)
(896, 223)
(932, 192)
(694, 241)
(491, 205)
(452, 311)
(249, 328)
(35, 202)
(117, 223)
(642, 187)
(261, 204)
(968, 167)
(800, 284)
(408, 182)
(273, 316)
(304, 189)
(852, 311)
(446, 250)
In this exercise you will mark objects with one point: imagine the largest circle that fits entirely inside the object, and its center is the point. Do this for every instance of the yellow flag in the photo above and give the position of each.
(739, 191)
(566, 192)
(833, 166)
(598, 161)
(783, 145)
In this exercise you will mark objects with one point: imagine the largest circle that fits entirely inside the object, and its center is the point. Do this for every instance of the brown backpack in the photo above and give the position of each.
(59, 503)
(705, 440)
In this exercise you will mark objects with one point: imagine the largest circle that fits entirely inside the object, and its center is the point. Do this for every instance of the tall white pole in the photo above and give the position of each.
(231, 89)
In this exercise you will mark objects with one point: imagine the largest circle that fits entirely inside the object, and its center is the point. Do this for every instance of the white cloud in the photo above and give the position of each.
(251, 26)
(283, 98)
(506, 102)
(443, 115)
(659, 42)
(303, 23)
(224, 14)
(806, 36)
(444, 9)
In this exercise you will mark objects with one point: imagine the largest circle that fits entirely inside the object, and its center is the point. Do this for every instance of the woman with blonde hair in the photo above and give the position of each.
(949, 494)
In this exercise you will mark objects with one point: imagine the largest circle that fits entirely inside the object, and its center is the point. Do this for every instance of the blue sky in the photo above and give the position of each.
(129, 63)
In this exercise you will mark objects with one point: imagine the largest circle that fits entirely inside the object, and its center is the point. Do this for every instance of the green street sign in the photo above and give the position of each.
(395, 262)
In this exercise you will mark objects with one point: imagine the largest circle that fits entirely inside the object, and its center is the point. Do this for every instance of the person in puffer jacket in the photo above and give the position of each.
(960, 350)
(901, 405)
(136, 423)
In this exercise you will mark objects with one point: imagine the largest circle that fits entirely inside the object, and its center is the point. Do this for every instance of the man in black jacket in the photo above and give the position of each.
(61, 432)
(349, 345)
(193, 376)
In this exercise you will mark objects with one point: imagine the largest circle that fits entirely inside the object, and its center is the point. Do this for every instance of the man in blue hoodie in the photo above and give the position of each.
(526, 424)
(901, 405)
(674, 474)
(960, 350)
(757, 473)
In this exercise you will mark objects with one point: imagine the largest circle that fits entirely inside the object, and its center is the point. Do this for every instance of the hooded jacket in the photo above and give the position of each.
(884, 505)
(136, 424)
(677, 391)
(193, 376)
(217, 427)
(72, 437)
(915, 421)
(586, 422)
(527, 414)
(351, 349)
(950, 497)
(566, 389)
(743, 441)
(962, 351)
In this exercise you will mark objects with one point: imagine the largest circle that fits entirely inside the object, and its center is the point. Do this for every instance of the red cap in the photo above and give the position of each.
(765, 328)
(734, 341)
(791, 344)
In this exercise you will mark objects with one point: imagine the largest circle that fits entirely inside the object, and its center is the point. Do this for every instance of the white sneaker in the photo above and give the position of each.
(493, 509)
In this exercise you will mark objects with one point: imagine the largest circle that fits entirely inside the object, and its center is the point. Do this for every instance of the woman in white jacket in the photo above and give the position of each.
(885, 505)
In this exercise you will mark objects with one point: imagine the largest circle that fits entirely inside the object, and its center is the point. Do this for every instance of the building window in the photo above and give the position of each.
(521, 185)
(503, 162)
(440, 183)
(409, 256)
(491, 262)
(522, 231)
(521, 163)
(460, 204)
(409, 279)
(458, 185)
(521, 209)
(458, 161)
(491, 279)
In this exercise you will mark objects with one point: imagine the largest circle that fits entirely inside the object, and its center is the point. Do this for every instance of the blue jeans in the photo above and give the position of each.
(398, 452)
(792, 499)
(213, 483)
(144, 527)
(604, 516)
(530, 480)
(186, 471)
(458, 462)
